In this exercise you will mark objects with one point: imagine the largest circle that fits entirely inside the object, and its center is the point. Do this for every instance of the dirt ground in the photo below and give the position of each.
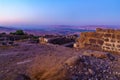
(15, 60)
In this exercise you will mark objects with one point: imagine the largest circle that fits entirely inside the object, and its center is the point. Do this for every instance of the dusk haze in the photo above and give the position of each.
(59, 12)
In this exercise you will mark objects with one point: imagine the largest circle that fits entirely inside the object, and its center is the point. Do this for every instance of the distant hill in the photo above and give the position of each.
(6, 29)
(56, 29)
(46, 30)
(93, 27)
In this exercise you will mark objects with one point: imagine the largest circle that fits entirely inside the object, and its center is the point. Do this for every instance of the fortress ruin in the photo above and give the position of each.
(101, 39)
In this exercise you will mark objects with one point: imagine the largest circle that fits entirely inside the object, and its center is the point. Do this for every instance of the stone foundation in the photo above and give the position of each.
(102, 39)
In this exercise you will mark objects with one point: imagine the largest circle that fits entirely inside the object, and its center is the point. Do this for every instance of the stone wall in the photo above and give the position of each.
(101, 39)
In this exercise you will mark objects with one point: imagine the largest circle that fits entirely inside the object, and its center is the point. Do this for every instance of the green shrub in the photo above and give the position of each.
(19, 32)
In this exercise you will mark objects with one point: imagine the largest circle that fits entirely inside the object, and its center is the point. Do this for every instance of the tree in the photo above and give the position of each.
(19, 32)
(12, 33)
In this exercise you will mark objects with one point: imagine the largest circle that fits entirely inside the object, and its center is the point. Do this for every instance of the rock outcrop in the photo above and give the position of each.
(73, 61)
(96, 54)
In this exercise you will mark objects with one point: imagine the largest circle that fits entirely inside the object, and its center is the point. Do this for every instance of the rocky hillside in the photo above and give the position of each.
(28, 61)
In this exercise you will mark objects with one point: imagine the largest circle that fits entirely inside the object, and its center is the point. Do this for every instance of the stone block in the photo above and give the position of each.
(113, 40)
(113, 35)
(92, 41)
(100, 42)
(118, 36)
(107, 48)
(100, 30)
(106, 40)
(107, 35)
(108, 44)
(110, 30)
(118, 46)
(96, 54)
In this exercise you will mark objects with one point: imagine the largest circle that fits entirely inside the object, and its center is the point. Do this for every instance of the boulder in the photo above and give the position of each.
(96, 54)
(99, 55)
(73, 61)
(87, 53)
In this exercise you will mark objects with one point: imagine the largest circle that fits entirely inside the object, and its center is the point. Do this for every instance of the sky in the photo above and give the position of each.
(59, 12)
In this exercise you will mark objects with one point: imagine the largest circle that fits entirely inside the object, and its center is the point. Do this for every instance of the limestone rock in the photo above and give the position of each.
(72, 61)
(96, 54)
(90, 71)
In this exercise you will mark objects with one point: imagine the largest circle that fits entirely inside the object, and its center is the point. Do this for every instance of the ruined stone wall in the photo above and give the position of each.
(102, 39)
(43, 40)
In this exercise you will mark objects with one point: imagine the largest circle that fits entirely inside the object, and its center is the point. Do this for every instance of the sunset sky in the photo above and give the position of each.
(59, 12)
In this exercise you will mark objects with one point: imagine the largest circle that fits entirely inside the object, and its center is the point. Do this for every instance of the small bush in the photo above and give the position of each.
(19, 32)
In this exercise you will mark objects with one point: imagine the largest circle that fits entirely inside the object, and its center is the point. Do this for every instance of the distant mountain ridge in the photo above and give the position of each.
(6, 29)
(93, 27)
(56, 29)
